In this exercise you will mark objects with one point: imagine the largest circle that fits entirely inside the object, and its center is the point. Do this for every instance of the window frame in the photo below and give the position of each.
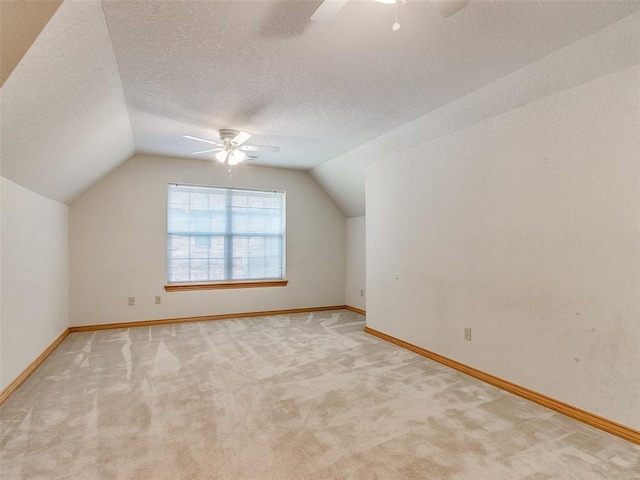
(174, 286)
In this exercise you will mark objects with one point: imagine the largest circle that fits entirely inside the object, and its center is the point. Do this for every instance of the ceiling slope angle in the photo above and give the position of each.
(609, 50)
(64, 121)
(333, 85)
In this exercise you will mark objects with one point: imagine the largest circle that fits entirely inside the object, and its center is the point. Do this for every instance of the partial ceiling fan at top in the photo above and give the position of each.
(231, 148)
(330, 8)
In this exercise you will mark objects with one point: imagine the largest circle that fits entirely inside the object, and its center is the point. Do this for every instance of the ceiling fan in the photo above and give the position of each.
(330, 8)
(231, 148)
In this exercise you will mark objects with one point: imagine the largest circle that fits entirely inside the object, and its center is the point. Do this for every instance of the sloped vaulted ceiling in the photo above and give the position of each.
(609, 50)
(64, 123)
(109, 78)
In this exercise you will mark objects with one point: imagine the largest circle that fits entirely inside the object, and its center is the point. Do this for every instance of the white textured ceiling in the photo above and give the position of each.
(320, 89)
(161, 69)
(63, 121)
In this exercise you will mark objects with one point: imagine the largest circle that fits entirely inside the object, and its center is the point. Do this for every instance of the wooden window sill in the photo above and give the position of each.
(183, 287)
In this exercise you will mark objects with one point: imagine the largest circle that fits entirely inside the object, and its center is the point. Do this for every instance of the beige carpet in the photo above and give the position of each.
(282, 397)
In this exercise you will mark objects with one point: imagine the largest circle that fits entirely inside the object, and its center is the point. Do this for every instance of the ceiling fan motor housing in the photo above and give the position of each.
(227, 134)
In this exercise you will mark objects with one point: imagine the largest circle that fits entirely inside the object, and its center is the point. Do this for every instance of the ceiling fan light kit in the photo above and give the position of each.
(221, 156)
(236, 156)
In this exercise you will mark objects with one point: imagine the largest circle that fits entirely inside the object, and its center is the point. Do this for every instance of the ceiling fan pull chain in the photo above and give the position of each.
(396, 25)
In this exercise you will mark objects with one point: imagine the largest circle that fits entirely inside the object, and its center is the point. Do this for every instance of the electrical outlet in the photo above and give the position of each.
(158, 299)
(467, 333)
(132, 301)
(362, 292)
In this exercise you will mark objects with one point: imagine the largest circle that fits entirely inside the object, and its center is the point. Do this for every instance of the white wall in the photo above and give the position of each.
(35, 271)
(3, 382)
(356, 263)
(118, 244)
(524, 227)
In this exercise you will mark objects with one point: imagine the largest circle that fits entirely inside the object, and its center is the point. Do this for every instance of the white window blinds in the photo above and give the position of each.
(224, 234)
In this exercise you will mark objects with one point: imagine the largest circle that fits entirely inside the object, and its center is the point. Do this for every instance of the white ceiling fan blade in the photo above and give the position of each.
(327, 10)
(206, 151)
(259, 148)
(240, 138)
(449, 7)
(200, 139)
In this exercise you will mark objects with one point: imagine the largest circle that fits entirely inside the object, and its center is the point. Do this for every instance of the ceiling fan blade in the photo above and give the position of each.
(449, 7)
(206, 151)
(259, 148)
(201, 140)
(240, 138)
(327, 10)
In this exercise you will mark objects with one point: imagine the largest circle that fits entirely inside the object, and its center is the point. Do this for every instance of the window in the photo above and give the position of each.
(217, 234)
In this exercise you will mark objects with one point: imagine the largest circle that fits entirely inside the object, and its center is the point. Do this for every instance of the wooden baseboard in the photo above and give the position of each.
(356, 310)
(583, 416)
(19, 380)
(205, 318)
